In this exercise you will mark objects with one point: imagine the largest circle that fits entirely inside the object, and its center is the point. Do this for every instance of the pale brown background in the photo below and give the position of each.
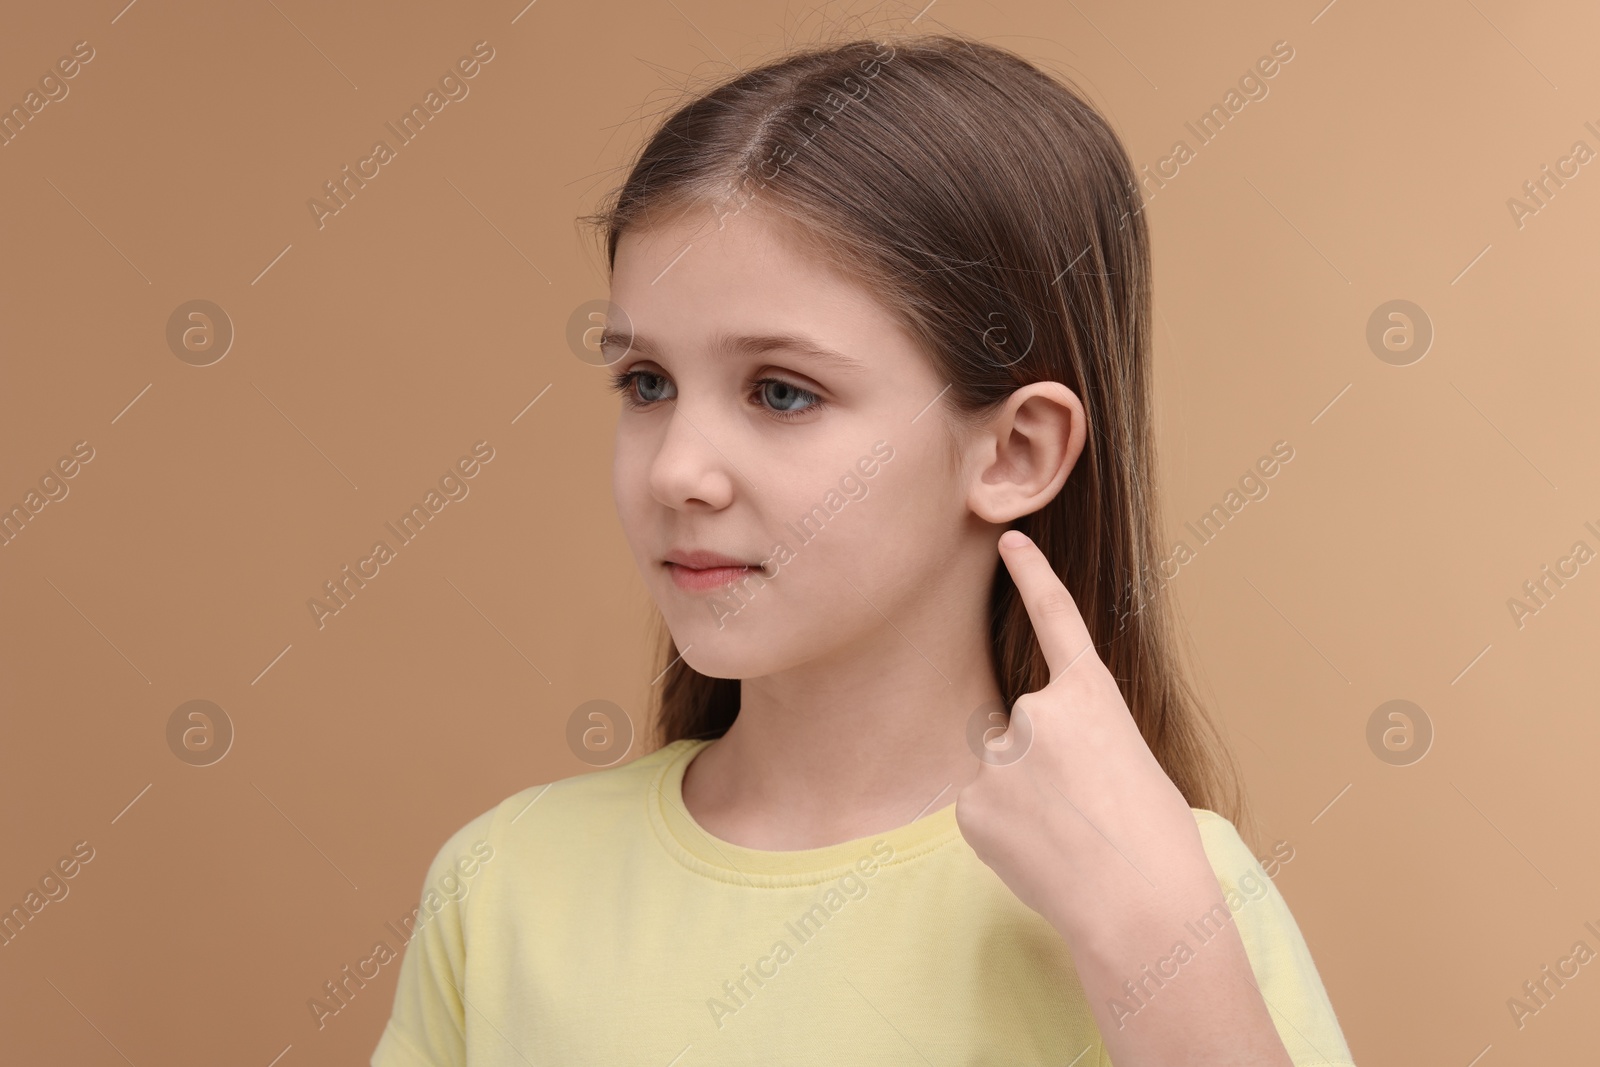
(431, 311)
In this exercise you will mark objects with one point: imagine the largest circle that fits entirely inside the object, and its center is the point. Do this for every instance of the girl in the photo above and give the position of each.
(930, 787)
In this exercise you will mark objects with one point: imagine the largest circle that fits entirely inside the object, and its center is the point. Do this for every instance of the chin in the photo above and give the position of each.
(722, 662)
(742, 648)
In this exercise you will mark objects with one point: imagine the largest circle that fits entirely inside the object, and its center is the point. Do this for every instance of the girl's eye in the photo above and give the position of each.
(648, 383)
(783, 394)
(651, 387)
(641, 388)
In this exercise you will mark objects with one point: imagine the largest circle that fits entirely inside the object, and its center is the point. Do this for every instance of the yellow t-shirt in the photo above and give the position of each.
(592, 921)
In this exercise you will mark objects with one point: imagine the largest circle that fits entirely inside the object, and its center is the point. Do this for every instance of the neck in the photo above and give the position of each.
(827, 753)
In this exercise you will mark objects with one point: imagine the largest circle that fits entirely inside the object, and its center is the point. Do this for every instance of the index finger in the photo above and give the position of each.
(1063, 636)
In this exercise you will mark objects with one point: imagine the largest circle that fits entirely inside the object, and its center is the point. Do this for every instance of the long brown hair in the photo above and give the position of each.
(997, 212)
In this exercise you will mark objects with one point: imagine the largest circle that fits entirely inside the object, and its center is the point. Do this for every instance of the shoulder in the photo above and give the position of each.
(1289, 981)
(564, 814)
(1229, 855)
(1245, 883)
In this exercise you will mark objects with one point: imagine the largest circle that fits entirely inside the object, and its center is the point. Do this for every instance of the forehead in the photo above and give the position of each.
(684, 280)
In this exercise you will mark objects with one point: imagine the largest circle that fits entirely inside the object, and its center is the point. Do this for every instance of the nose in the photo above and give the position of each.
(689, 470)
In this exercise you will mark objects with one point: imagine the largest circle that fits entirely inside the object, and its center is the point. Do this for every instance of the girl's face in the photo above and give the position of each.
(775, 414)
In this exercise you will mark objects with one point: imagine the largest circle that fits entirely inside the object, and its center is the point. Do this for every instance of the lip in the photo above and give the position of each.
(700, 570)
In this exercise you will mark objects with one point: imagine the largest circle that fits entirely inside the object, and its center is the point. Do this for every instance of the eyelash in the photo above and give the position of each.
(622, 383)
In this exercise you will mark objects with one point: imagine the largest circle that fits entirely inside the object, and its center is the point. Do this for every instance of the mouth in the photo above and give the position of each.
(699, 571)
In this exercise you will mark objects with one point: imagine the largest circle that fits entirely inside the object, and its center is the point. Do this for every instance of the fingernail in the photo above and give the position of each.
(1013, 539)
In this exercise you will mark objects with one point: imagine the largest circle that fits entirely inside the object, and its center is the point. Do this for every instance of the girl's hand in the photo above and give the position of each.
(1074, 813)
(1086, 828)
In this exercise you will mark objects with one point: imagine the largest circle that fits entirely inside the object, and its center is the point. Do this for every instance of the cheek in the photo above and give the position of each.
(619, 490)
(630, 463)
(630, 490)
(862, 541)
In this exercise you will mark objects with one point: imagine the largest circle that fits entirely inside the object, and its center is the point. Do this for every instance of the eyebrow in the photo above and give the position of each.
(747, 344)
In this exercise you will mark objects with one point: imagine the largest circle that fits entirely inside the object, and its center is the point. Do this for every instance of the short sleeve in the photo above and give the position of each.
(1278, 954)
(427, 1026)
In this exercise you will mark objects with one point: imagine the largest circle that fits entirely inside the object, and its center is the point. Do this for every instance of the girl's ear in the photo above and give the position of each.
(1019, 461)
